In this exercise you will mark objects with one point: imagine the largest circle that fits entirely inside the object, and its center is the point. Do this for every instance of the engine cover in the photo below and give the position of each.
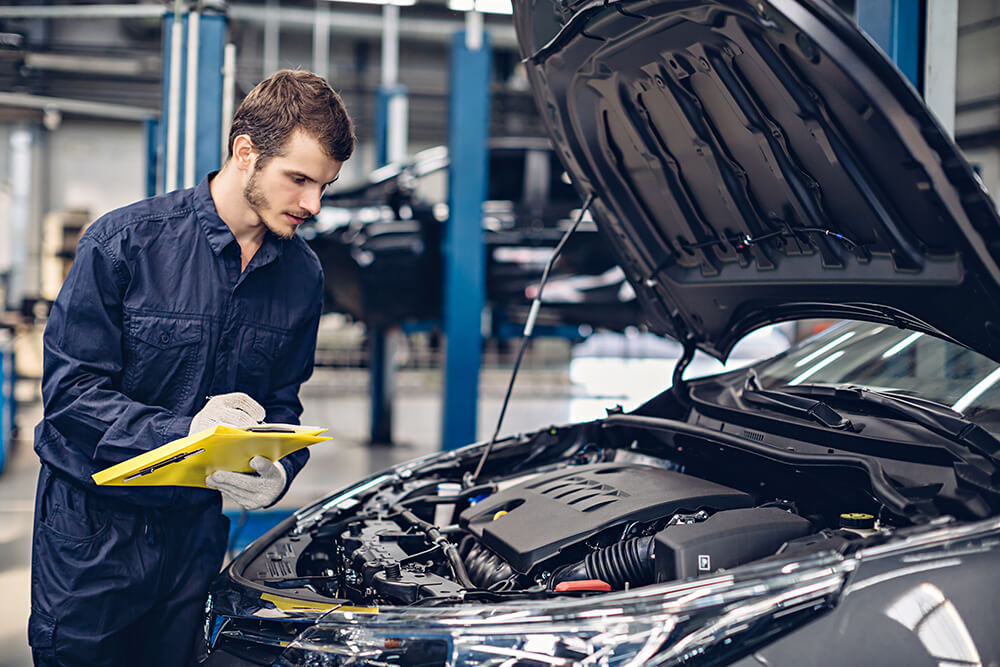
(546, 514)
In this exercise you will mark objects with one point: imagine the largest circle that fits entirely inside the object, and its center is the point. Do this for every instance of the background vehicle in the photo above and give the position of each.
(380, 242)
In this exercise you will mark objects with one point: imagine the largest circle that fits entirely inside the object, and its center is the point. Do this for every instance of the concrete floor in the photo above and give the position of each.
(335, 399)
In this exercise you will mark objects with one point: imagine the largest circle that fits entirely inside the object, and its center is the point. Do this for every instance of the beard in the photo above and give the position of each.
(258, 203)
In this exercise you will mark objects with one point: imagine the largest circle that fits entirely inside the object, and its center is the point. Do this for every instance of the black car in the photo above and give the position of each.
(839, 504)
(380, 243)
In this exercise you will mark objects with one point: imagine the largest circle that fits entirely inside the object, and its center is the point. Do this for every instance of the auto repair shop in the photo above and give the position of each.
(626, 332)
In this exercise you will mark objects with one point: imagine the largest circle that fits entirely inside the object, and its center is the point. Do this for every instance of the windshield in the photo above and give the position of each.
(890, 359)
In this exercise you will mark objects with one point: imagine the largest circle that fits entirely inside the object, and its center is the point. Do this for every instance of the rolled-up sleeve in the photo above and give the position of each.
(83, 367)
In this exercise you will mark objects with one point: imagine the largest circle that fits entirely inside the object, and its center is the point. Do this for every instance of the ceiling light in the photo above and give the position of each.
(400, 3)
(485, 6)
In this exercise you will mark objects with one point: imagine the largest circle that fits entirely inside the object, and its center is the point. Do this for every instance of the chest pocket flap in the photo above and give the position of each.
(163, 332)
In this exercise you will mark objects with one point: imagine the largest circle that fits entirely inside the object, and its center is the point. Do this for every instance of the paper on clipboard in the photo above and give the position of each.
(187, 461)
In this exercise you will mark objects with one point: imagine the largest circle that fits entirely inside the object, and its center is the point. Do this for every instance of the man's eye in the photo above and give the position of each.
(298, 180)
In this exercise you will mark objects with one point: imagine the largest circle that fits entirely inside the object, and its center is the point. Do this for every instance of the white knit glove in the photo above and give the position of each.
(235, 409)
(251, 491)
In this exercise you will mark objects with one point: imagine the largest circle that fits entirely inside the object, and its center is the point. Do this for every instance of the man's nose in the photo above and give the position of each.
(311, 199)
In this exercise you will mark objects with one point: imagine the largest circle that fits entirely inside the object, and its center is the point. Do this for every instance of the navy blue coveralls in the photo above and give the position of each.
(154, 316)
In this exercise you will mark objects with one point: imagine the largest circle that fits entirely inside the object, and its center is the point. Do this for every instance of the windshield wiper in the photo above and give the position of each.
(809, 408)
(940, 420)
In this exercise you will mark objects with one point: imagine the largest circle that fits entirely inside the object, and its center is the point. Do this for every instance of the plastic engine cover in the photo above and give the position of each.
(546, 514)
(724, 540)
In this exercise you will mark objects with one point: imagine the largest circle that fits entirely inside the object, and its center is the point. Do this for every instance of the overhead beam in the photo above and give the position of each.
(82, 11)
(79, 107)
(360, 24)
(357, 24)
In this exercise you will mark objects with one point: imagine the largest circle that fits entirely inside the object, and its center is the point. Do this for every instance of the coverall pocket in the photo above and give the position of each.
(69, 514)
(256, 365)
(41, 630)
(161, 358)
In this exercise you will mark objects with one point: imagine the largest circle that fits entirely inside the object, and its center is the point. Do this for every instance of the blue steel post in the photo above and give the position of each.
(211, 50)
(153, 149)
(5, 430)
(465, 282)
(380, 371)
(895, 26)
(384, 97)
(8, 408)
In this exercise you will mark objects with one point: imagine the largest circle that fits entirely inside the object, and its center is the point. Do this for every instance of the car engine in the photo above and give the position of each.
(568, 529)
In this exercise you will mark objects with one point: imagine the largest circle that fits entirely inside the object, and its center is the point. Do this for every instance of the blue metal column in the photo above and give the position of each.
(895, 26)
(384, 96)
(211, 56)
(211, 52)
(380, 346)
(153, 150)
(465, 280)
(4, 431)
(7, 411)
(382, 387)
(380, 339)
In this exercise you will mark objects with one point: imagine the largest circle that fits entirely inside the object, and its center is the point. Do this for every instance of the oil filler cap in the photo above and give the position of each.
(857, 520)
(583, 585)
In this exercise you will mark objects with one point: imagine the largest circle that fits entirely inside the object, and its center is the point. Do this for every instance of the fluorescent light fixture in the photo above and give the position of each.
(977, 391)
(826, 348)
(484, 6)
(400, 3)
(901, 345)
(818, 367)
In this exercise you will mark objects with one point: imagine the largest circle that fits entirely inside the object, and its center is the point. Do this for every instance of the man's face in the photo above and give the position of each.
(288, 188)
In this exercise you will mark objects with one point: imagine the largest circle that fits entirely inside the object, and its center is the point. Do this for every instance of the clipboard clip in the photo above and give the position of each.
(165, 462)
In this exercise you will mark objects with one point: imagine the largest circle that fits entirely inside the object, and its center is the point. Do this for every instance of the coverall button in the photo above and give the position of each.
(164, 338)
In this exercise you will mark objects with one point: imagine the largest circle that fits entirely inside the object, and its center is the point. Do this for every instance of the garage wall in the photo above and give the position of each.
(96, 165)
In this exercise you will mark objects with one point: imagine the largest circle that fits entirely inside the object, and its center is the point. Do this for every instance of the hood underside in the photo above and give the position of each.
(754, 162)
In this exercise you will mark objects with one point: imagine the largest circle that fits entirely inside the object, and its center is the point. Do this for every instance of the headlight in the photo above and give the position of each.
(721, 617)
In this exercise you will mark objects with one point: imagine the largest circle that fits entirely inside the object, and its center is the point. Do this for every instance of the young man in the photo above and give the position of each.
(195, 293)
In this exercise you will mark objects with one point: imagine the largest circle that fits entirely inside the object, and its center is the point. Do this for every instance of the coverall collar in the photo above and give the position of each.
(218, 232)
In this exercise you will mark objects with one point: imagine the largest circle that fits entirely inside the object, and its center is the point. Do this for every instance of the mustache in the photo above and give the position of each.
(299, 214)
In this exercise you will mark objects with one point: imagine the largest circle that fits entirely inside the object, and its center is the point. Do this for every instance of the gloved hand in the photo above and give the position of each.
(251, 491)
(235, 409)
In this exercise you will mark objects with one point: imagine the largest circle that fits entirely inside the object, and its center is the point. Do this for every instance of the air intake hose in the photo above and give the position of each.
(630, 561)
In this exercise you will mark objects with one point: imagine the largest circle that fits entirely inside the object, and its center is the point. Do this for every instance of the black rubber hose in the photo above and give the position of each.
(485, 567)
(629, 562)
(435, 536)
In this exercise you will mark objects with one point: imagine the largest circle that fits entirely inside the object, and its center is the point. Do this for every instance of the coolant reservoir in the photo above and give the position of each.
(860, 523)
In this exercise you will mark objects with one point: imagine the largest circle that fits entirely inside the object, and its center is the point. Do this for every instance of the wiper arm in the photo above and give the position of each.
(941, 421)
(809, 408)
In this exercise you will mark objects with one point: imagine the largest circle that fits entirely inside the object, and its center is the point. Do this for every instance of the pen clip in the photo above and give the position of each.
(156, 466)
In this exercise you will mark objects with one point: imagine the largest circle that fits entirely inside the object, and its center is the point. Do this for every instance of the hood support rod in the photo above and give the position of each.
(678, 388)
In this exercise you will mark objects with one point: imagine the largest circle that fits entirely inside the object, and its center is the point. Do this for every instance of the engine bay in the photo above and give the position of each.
(580, 519)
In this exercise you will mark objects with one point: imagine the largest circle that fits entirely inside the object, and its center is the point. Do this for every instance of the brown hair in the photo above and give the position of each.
(289, 100)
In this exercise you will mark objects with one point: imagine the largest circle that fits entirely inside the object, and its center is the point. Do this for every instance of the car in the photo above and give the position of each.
(380, 243)
(750, 162)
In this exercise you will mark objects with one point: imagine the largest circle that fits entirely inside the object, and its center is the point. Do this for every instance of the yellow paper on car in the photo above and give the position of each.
(187, 461)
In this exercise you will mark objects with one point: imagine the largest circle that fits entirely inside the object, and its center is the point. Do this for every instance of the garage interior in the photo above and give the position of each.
(84, 115)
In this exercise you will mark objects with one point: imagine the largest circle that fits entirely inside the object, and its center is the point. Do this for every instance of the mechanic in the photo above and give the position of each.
(194, 293)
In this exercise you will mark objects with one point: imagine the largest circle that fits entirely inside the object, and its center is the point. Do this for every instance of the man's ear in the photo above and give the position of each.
(244, 153)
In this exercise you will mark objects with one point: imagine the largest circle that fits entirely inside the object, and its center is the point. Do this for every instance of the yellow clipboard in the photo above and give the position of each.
(187, 461)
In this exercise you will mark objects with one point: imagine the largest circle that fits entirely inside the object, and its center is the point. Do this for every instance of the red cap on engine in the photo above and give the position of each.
(583, 585)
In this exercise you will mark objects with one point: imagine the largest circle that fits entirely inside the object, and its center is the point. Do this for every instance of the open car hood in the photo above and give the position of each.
(753, 162)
